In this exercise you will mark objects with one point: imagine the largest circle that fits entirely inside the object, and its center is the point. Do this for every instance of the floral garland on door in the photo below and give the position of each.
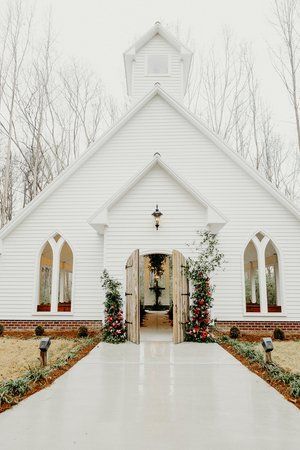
(199, 270)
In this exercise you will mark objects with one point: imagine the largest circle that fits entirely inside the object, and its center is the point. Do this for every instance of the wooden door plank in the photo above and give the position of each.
(180, 296)
(133, 298)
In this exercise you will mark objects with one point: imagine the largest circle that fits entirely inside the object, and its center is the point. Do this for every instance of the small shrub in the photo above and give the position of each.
(82, 332)
(295, 388)
(234, 333)
(279, 334)
(1, 330)
(39, 330)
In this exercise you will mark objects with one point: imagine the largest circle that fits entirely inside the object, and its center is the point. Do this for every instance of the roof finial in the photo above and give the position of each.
(157, 23)
(157, 83)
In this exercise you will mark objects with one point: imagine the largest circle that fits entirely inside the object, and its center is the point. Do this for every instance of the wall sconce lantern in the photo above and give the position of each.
(157, 214)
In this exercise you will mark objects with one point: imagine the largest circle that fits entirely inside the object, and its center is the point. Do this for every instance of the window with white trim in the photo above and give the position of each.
(262, 276)
(158, 65)
(55, 276)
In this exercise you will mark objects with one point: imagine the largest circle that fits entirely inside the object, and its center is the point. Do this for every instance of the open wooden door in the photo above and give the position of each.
(180, 296)
(133, 297)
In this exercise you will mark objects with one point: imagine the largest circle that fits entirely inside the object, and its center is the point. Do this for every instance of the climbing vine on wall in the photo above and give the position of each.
(199, 270)
(114, 330)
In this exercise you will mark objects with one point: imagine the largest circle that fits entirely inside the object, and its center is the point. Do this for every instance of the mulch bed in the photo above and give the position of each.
(262, 373)
(53, 375)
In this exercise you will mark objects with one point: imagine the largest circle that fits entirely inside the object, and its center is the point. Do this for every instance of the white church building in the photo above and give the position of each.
(98, 214)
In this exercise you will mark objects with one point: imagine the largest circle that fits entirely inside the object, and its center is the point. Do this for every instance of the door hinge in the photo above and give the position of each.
(127, 293)
(126, 321)
(188, 294)
(128, 266)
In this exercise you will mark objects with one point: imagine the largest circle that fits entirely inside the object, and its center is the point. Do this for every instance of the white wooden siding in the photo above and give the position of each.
(131, 225)
(142, 83)
(156, 128)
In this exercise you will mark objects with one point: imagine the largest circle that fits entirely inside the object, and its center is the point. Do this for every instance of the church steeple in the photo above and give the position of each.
(157, 57)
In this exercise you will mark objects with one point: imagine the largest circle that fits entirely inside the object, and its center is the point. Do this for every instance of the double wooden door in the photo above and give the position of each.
(180, 297)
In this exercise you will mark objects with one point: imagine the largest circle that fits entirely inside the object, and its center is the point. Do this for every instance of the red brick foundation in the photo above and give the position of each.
(51, 325)
(253, 327)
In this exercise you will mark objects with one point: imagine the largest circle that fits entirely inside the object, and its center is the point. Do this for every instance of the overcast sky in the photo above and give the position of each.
(98, 31)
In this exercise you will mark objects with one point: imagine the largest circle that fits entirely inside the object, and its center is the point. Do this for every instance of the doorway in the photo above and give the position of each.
(157, 296)
(156, 303)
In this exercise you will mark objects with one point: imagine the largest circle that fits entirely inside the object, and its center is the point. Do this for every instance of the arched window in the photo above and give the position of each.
(55, 276)
(65, 278)
(251, 278)
(262, 276)
(45, 288)
(272, 278)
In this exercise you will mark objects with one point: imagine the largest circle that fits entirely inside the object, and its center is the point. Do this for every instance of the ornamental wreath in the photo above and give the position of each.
(199, 270)
(114, 330)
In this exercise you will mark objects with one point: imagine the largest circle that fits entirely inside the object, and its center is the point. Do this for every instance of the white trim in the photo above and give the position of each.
(164, 33)
(100, 218)
(157, 90)
(260, 247)
(129, 54)
(56, 250)
(267, 315)
(49, 313)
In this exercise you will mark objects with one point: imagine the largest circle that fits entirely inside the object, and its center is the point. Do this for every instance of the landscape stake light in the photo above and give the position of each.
(268, 348)
(44, 346)
(157, 214)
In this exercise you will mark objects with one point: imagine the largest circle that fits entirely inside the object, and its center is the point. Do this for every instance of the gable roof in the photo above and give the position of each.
(100, 219)
(130, 53)
(94, 148)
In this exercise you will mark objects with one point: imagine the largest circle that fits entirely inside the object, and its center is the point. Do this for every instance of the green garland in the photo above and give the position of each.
(197, 328)
(114, 330)
(199, 269)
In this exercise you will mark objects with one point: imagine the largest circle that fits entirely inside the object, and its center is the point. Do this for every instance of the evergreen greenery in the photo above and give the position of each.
(114, 330)
(39, 330)
(199, 270)
(82, 332)
(156, 262)
(234, 332)
(279, 334)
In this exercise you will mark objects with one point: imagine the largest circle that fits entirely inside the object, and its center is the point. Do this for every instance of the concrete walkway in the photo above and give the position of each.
(156, 396)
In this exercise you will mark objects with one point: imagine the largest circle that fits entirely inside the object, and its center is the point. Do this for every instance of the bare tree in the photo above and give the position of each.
(18, 28)
(50, 111)
(286, 58)
(224, 92)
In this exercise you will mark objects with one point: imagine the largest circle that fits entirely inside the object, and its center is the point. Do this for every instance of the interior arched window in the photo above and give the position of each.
(45, 288)
(272, 278)
(251, 278)
(262, 276)
(65, 278)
